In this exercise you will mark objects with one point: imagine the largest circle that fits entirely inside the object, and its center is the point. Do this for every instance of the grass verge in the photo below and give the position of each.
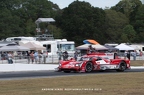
(93, 84)
(137, 63)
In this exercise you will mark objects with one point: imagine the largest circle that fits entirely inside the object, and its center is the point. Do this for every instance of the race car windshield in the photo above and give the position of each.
(105, 57)
(84, 58)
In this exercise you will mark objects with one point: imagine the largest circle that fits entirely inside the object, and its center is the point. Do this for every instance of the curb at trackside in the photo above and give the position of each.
(37, 67)
(137, 67)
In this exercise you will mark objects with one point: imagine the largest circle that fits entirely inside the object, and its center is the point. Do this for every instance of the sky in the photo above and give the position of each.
(96, 3)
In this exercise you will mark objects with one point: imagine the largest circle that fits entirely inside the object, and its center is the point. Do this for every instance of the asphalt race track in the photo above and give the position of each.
(50, 74)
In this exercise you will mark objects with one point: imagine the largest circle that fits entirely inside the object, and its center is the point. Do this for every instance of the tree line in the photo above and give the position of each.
(123, 22)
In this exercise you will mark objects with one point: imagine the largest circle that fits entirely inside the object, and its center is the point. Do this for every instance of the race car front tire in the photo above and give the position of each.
(122, 67)
(67, 71)
(89, 67)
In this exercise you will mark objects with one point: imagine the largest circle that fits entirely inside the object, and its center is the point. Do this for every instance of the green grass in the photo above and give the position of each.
(137, 63)
(98, 84)
(102, 84)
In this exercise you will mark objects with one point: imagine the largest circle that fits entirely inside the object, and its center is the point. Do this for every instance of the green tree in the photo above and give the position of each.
(131, 8)
(18, 16)
(80, 21)
(30, 28)
(124, 38)
(139, 24)
(9, 24)
(57, 32)
(127, 7)
(115, 22)
(140, 37)
(30, 11)
(129, 31)
(132, 17)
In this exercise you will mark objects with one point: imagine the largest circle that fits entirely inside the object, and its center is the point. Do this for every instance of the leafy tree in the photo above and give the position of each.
(80, 21)
(133, 10)
(29, 28)
(139, 24)
(129, 31)
(30, 11)
(138, 4)
(140, 37)
(9, 24)
(57, 32)
(124, 38)
(18, 16)
(115, 22)
(127, 7)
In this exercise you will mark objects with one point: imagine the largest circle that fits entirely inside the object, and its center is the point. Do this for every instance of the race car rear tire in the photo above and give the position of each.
(67, 71)
(101, 70)
(122, 67)
(89, 67)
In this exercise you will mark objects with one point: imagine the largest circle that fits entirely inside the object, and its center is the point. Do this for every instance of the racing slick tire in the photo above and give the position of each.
(89, 67)
(67, 71)
(101, 70)
(122, 67)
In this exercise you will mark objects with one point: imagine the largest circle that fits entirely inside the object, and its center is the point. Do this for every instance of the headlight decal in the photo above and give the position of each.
(77, 65)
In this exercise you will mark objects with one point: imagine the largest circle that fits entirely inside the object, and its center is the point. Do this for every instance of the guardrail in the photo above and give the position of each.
(52, 59)
(28, 60)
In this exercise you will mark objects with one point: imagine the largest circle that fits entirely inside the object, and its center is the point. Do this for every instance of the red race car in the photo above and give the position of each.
(94, 61)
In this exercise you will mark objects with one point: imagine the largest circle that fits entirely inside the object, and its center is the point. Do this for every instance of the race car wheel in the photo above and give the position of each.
(88, 67)
(122, 67)
(67, 71)
(101, 70)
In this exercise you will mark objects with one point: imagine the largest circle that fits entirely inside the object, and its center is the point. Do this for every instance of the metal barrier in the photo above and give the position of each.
(28, 60)
(49, 59)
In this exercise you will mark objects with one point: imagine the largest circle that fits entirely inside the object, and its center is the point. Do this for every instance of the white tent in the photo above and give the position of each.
(124, 47)
(14, 48)
(33, 46)
(39, 20)
(136, 47)
(97, 47)
(5, 43)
